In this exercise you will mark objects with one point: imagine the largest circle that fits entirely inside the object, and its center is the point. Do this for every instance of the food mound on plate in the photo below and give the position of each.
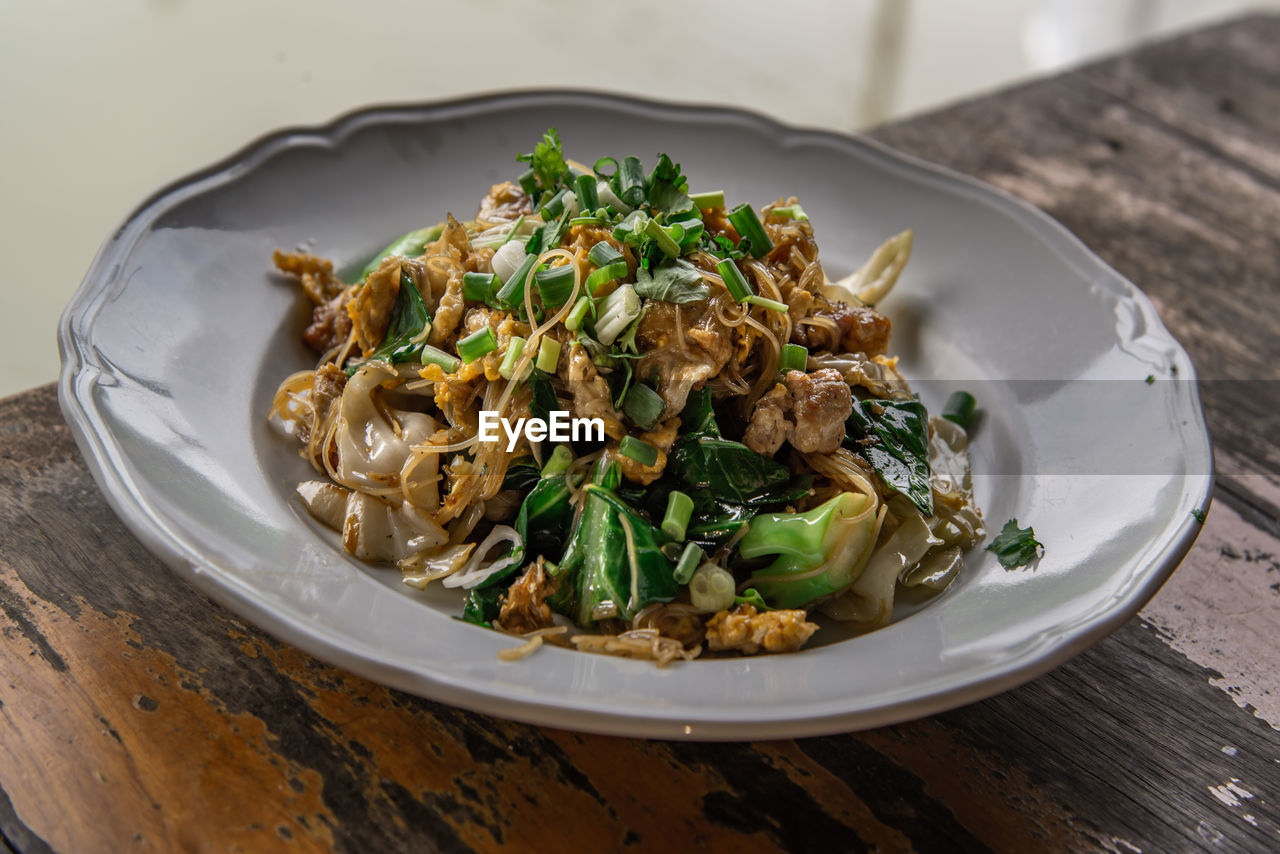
(626, 418)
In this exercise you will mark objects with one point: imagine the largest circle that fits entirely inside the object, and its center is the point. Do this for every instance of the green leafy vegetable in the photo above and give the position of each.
(544, 517)
(1198, 515)
(893, 435)
(483, 605)
(960, 409)
(409, 245)
(731, 470)
(675, 281)
(614, 561)
(697, 415)
(408, 318)
(1016, 546)
(547, 160)
(819, 552)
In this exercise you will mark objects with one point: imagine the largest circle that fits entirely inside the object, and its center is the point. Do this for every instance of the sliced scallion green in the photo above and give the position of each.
(638, 450)
(515, 348)
(554, 206)
(644, 406)
(579, 312)
(603, 254)
(704, 201)
(529, 183)
(603, 164)
(747, 223)
(555, 284)
(585, 187)
(631, 181)
(690, 560)
(765, 302)
(559, 460)
(435, 356)
(676, 520)
(794, 358)
(790, 212)
(604, 275)
(512, 293)
(693, 229)
(548, 354)
(737, 284)
(478, 287)
(476, 345)
(515, 229)
(669, 245)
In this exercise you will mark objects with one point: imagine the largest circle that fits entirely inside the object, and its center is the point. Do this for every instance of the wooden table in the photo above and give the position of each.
(137, 715)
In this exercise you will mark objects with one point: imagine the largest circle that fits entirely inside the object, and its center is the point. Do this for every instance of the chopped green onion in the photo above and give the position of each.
(604, 275)
(676, 520)
(790, 212)
(749, 228)
(579, 312)
(600, 165)
(512, 293)
(515, 348)
(765, 302)
(554, 206)
(585, 187)
(515, 229)
(435, 356)
(588, 220)
(528, 181)
(555, 284)
(476, 345)
(478, 286)
(692, 228)
(638, 450)
(794, 358)
(631, 181)
(669, 246)
(690, 560)
(548, 354)
(711, 588)
(644, 406)
(617, 310)
(559, 460)
(603, 254)
(713, 199)
(736, 283)
(960, 408)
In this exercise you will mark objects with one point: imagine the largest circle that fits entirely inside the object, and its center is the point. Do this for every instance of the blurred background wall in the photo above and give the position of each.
(102, 103)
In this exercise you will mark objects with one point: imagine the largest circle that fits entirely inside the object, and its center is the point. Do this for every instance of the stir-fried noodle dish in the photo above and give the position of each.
(628, 418)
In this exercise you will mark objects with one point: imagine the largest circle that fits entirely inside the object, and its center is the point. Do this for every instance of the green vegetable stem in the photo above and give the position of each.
(820, 552)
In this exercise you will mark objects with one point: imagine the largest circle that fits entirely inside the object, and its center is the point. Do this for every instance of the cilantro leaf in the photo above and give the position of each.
(667, 189)
(672, 281)
(547, 160)
(1016, 546)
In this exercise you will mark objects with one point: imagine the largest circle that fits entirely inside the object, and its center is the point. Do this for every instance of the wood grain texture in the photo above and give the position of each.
(136, 715)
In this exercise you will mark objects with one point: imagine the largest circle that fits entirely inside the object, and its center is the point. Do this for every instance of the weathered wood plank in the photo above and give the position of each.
(134, 713)
(140, 700)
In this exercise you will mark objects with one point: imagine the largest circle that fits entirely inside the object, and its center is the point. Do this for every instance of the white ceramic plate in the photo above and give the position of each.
(179, 334)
